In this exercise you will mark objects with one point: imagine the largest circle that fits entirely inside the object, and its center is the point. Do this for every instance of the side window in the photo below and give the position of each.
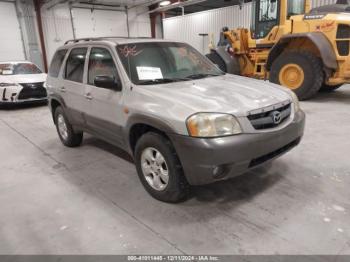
(268, 10)
(101, 63)
(75, 65)
(57, 63)
(295, 7)
(267, 15)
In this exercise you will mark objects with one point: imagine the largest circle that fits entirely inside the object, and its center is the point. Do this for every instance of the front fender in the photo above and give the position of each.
(151, 121)
(325, 48)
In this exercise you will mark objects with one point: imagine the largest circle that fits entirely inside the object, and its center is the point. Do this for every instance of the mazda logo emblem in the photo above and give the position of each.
(276, 117)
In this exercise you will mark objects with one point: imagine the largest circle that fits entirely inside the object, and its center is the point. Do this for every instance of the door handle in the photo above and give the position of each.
(88, 96)
(63, 89)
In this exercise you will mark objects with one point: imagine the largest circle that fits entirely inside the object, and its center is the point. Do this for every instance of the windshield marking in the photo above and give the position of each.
(130, 51)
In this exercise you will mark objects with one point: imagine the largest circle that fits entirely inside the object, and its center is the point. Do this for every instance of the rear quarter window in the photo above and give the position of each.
(57, 63)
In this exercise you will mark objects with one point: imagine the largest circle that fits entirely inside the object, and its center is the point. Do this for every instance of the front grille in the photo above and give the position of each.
(343, 47)
(265, 120)
(32, 90)
(343, 43)
(267, 157)
(343, 31)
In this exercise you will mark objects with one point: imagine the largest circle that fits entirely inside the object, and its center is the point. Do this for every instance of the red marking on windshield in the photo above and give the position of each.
(130, 51)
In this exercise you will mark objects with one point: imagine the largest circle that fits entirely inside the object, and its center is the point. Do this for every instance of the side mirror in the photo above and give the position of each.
(107, 82)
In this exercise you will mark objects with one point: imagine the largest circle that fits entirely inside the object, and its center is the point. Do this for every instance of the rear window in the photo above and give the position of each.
(19, 69)
(75, 65)
(57, 63)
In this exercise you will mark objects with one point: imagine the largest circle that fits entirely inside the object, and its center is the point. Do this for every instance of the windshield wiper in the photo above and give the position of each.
(161, 81)
(199, 76)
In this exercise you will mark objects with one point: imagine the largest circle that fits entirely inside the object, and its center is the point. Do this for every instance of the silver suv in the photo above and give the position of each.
(183, 120)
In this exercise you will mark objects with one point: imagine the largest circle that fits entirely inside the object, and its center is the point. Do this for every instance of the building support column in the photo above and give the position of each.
(153, 17)
(37, 6)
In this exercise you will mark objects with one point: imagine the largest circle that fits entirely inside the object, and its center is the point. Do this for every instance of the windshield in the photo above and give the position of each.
(162, 62)
(295, 7)
(19, 69)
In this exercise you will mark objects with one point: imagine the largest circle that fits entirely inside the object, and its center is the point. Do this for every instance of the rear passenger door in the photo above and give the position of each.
(103, 106)
(73, 86)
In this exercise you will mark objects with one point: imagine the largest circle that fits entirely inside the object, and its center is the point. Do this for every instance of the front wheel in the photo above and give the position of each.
(300, 71)
(159, 168)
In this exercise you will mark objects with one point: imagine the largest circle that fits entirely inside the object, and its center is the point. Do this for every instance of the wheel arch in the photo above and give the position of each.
(54, 102)
(324, 47)
(138, 125)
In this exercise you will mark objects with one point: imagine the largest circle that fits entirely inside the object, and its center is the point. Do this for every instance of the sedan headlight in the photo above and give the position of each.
(295, 101)
(213, 125)
(7, 84)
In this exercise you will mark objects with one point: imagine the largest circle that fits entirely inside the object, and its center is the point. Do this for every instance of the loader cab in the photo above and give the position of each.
(266, 14)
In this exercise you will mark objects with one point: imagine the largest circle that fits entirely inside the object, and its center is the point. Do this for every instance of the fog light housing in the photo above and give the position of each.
(219, 172)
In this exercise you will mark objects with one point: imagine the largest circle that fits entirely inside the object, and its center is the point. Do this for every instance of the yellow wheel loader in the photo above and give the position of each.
(291, 45)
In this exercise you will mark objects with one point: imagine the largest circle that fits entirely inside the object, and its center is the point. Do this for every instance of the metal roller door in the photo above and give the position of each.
(98, 23)
(11, 44)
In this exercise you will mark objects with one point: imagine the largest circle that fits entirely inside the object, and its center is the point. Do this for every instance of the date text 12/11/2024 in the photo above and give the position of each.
(173, 258)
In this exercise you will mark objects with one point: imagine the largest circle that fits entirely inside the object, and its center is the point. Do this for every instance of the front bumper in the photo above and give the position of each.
(22, 94)
(208, 160)
(25, 101)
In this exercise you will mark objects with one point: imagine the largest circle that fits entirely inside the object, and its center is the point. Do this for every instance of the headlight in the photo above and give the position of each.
(213, 125)
(295, 101)
(7, 84)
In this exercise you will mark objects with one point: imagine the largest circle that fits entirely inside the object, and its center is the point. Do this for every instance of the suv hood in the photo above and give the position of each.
(223, 94)
(17, 79)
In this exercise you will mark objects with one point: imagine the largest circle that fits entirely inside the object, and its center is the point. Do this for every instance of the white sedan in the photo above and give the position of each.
(21, 82)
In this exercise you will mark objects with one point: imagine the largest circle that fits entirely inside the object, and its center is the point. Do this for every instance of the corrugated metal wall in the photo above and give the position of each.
(187, 28)
(316, 3)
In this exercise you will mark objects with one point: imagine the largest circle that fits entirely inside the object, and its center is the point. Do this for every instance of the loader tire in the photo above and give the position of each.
(234, 68)
(217, 60)
(301, 71)
(327, 88)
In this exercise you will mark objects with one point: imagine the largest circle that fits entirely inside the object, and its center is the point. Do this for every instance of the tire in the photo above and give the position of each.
(216, 59)
(326, 88)
(309, 76)
(175, 188)
(71, 138)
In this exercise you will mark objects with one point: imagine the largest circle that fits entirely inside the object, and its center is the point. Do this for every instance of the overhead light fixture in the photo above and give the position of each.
(164, 3)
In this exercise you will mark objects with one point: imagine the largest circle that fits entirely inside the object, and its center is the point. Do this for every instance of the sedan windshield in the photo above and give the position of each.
(163, 62)
(19, 69)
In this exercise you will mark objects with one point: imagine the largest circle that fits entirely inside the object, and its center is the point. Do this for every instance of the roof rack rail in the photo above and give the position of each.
(100, 38)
